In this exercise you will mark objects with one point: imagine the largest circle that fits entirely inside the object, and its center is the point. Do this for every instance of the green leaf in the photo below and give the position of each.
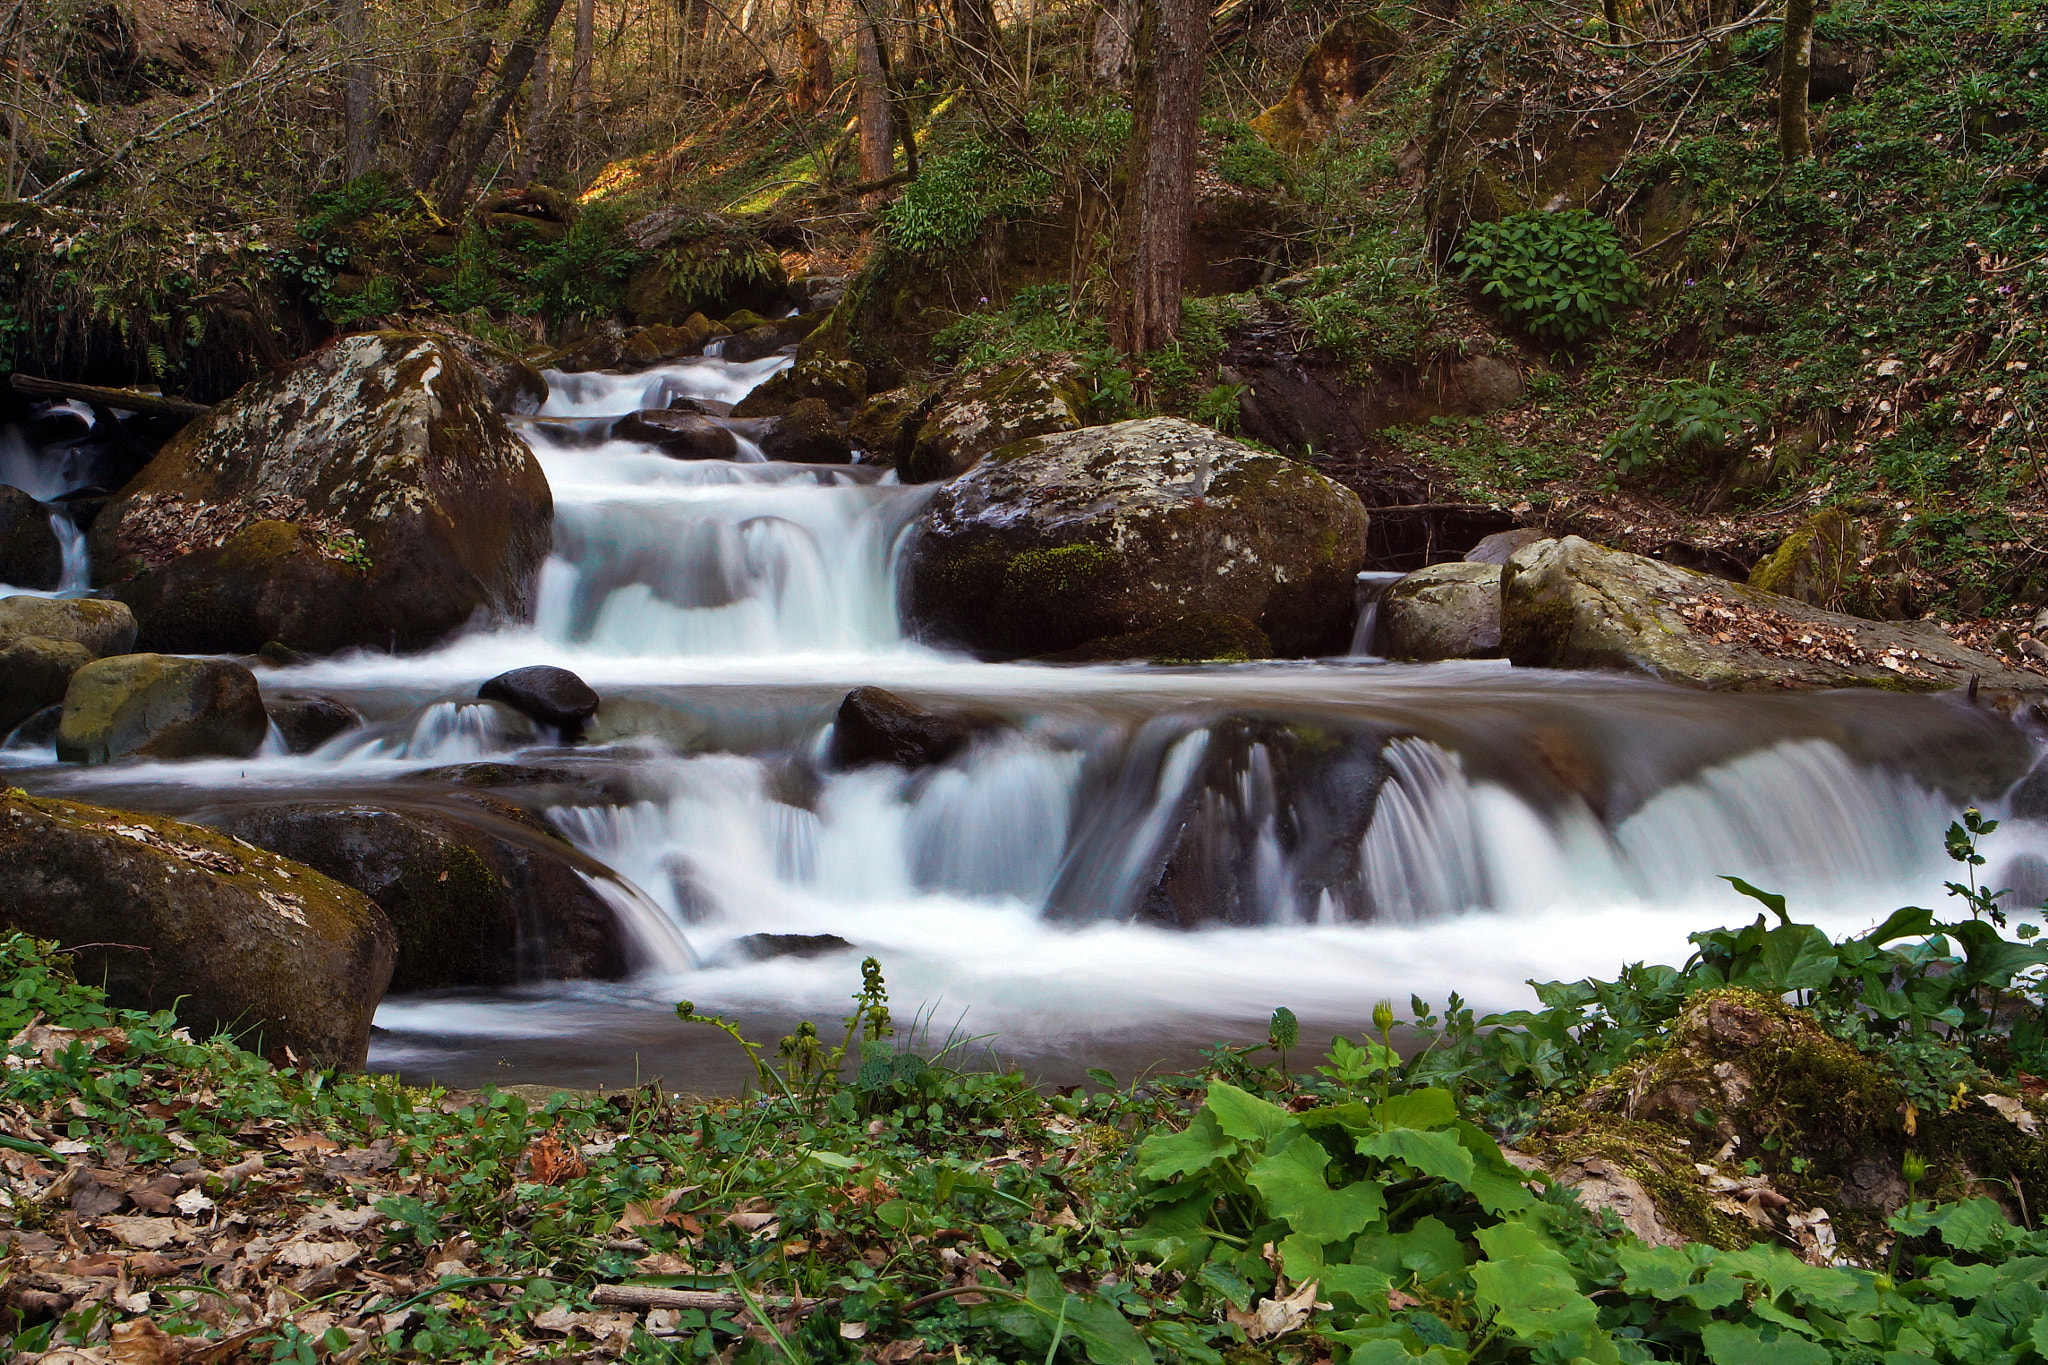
(1667, 1273)
(1430, 1108)
(1168, 1156)
(1528, 1286)
(1438, 1154)
(1246, 1117)
(1292, 1181)
(1731, 1343)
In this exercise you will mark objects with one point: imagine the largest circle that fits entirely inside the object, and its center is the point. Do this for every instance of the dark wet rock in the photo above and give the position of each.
(489, 775)
(991, 408)
(553, 696)
(874, 725)
(819, 293)
(1200, 637)
(370, 497)
(842, 385)
(160, 706)
(1498, 547)
(104, 628)
(1055, 542)
(39, 729)
(307, 722)
(766, 338)
(475, 898)
(235, 938)
(280, 655)
(678, 434)
(1572, 604)
(767, 947)
(511, 382)
(1446, 611)
(881, 431)
(807, 434)
(34, 671)
(30, 555)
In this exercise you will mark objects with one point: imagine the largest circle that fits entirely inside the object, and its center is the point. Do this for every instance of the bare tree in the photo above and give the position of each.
(512, 73)
(358, 92)
(1795, 76)
(1159, 174)
(877, 140)
(579, 72)
(458, 92)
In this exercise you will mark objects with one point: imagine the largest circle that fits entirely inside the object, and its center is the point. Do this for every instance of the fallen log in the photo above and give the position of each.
(709, 1300)
(126, 400)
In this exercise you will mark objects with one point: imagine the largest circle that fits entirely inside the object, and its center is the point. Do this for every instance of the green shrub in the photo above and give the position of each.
(1684, 418)
(1559, 276)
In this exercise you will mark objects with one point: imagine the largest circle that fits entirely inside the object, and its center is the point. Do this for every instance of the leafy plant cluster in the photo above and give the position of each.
(941, 213)
(1376, 299)
(1246, 159)
(1684, 419)
(1562, 276)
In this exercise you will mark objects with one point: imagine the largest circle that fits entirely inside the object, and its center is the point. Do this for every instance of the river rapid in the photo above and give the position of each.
(1138, 861)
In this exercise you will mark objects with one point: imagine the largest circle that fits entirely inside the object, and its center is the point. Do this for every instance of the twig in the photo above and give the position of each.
(708, 1300)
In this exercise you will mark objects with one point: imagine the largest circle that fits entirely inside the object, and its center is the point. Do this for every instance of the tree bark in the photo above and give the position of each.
(512, 72)
(814, 68)
(1159, 174)
(579, 73)
(974, 39)
(877, 138)
(456, 97)
(539, 128)
(358, 92)
(1795, 75)
(1109, 48)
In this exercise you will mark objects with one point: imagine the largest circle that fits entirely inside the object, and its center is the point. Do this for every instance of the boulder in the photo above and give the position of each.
(371, 497)
(875, 725)
(767, 947)
(1572, 604)
(39, 731)
(160, 706)
(700, 263)
(511, 383)
(104, 628)
(806, 434)
(819, 293)
(475, 898)
(1831, 560)
(766, 338)
(679, 434)
(1341, 69)
(1496, 548)
(542, 692)
(842, 385)
(991, 408)
(30, 555)
(309, 722)
(182, 916)
(1446, 611)
(34, 671)
(1057, 541)
(882, 429)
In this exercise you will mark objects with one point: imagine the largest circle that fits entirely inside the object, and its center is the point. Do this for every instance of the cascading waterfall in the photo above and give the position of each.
(1330, 832)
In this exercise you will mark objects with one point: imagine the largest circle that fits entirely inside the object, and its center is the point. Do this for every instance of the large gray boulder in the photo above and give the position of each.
(104, 628)
(165, 912)
(30, 556)
(1446, 611)
(372, 496)
(160, 706)
(1572, 604)
(989, 408)
(34, 671)
(484, 897)
(1059, 542)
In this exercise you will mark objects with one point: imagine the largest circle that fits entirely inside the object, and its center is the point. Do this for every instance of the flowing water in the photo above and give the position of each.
(1127, 861)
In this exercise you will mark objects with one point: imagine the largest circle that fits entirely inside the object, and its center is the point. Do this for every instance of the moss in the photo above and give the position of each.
(443, 905)
(1201, 637)
(1061, 572)
(1661, 1162)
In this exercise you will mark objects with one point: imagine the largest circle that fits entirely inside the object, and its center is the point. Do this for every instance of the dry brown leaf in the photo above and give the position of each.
(142, 1342)
(1270, 1318)
(147, 1234)
(2013, 1112)
(900, 1352)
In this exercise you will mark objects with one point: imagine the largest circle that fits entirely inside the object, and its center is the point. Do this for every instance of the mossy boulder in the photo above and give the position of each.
(477, 897)
(1572, 604)
(167, 914)
(767, 337)
(30, 555)
(841, 385)
(989, 408)
(160, 706)
(511, 382)
(701, 263)
(104, 628)
(1056, 542)
(1832, 560)
(1446, 611)
(882, 428)
(1347, 61)
(371, 497)
(34, 671)
(807, 434)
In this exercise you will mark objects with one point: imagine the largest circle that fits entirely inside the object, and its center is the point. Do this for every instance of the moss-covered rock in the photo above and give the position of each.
(104, 628)
(841, 385)
(1446, 611)
(511, 383)
(990, 408)
(701, 263)
(767, 337)
(1832, 560)
(166, 913)
(160, 706)
(1572, 604)
(880, 432)
(478, 897)
(371, 497)
(1347, 61)
(34, 671)
(30, 555)
(807, 434)
(1058, 541)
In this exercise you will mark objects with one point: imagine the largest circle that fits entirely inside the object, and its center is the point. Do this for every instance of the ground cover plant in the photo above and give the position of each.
(170, 1199)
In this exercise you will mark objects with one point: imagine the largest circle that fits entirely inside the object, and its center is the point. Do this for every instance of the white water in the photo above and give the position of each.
(45, 475)
(722, 608)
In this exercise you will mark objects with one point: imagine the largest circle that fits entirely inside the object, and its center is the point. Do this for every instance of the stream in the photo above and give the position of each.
(1128, 862)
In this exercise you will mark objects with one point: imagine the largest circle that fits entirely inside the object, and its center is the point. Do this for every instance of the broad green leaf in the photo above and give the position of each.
(1168, 1156)
(1292, 1181)
(1780, 1272)
(1438, 1154)
(1498, 1186)
(1667, 1273)
(1529, 1288)
(1730, 1343)
(1390, 1352)
(1964, 1281)
(1246, 1117)
(1797, 957)
(1426, 1252)
(1972, 1225)
(1430, 1108)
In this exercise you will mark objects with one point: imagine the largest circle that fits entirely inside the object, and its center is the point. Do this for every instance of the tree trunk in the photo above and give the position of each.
(512, 73)
(1795, 140)
(358, 92)
(974, 38)
(877, 138)
(1159, 174)
(540, 119)
(456, 97)
(1109, 50)
(579, 74)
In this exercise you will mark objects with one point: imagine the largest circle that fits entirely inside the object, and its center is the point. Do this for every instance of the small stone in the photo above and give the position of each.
(543, 692)
(875, 725)
(309, 722)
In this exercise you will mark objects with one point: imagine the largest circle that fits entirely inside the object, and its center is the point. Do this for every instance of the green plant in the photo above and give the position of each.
(1681, 419)
(1562, 276)
(1246, 159)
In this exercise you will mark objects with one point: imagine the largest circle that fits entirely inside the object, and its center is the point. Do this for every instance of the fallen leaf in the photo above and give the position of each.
(148, 1234)
(900, 1352)
(1270, 1318)
(2013, 1112)
(142, 1342)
